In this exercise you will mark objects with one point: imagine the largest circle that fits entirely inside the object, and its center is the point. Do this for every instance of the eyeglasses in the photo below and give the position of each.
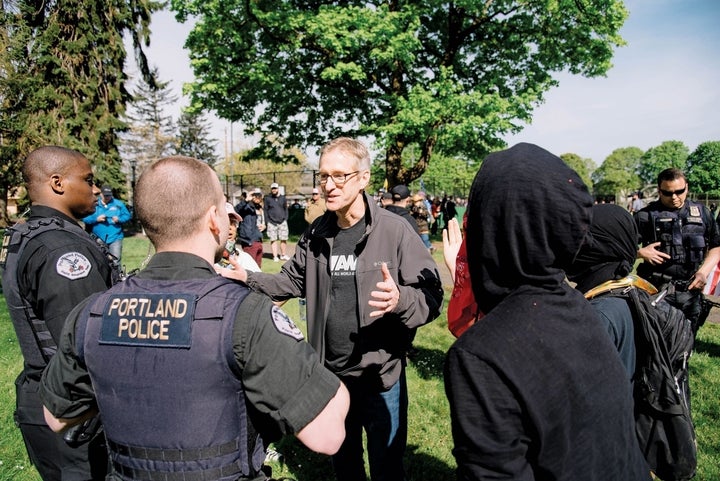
(338, 179)
(670, 193)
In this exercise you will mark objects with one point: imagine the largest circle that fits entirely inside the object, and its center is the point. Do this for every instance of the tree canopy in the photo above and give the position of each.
(671, 153)
(62, 79)
(703, 168)
(630, 169)
(618, 173)
(583, 166)
(193, 137)
(442, 76)
(151, 133)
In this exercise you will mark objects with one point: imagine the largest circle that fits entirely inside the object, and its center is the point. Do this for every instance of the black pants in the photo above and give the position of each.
(48, 452)
(56, 461)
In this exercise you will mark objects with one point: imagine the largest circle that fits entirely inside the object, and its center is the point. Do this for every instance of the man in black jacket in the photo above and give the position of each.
(400, 194)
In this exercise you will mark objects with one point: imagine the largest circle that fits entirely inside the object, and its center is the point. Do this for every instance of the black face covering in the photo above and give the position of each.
(610, 253)
(528, 214)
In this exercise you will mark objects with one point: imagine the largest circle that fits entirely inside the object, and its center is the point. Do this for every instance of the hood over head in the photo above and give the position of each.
(611, 252)
(528, 213)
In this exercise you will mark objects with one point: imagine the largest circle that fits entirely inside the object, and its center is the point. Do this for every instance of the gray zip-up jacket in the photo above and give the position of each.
(388, 238)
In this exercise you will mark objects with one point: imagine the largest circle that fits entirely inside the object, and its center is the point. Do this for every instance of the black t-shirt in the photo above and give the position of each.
(342, 328)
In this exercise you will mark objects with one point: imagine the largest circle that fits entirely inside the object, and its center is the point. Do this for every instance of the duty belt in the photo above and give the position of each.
(212, 474)
(176, 455)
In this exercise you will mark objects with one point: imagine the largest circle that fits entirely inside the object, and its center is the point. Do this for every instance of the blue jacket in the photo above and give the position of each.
(107, 230)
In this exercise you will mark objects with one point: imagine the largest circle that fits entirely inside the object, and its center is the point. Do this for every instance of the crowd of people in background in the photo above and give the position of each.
(428, 215)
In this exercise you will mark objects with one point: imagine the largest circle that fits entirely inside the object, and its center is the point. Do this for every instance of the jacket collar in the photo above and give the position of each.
(327, 227)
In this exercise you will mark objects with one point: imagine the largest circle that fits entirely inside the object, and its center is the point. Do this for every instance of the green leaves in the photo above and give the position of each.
(450, 76)
(63, 81)
(703, 168)
(618, 173)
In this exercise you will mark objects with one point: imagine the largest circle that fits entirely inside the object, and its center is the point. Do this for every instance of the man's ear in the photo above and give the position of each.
(213, 221)
(56, 183)
(365, 179)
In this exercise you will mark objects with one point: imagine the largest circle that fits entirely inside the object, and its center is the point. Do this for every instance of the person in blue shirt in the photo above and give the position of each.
(107, 221)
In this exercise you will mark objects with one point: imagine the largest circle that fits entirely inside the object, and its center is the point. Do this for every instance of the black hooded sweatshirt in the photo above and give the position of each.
(536, 388)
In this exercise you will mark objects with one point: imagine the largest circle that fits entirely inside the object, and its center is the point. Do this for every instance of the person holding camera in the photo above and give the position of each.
(680, 245)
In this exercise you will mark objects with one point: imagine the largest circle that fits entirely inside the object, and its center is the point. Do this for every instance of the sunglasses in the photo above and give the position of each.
(670, 193)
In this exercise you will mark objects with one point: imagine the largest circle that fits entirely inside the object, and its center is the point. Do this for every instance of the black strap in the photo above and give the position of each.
(174, 455)
(199, 475)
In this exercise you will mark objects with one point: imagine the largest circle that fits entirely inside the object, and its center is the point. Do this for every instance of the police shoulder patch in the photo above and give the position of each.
(284, 324)
(73, 265)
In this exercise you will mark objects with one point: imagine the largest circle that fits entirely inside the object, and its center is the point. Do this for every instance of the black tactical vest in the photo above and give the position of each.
(36, 343)
(682, 236)
(160, 357)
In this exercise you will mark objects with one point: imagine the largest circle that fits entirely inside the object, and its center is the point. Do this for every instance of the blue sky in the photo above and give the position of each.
(664, 85)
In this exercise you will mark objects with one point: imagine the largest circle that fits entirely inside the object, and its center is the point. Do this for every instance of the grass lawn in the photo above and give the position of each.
(429, 456)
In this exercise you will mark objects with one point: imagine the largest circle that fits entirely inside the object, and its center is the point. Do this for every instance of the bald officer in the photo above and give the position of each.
(50, 264)
(184, 365)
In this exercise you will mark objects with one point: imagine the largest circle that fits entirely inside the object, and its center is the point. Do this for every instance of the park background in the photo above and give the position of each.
(650, 105)
(429, 454)
(617, 120)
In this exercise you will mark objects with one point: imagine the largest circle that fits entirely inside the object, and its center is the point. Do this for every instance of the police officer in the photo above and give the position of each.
(680, 245)
(186, 366)
(50, 264)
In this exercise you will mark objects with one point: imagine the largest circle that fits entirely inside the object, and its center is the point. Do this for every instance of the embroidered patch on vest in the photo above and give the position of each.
(285, 325)
(694, 211)
(154, 320)
(73, 265)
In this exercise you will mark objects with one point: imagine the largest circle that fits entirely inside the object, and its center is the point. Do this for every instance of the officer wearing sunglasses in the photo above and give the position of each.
(680, 245)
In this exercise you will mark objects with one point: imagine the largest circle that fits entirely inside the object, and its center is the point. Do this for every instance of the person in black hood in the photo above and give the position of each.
(608, 256)
(610, 253)
(536, 388)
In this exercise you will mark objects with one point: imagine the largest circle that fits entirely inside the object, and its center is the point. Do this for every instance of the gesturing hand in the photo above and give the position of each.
(236, 273)
(652, 255)
(452, 239)
(386, 298)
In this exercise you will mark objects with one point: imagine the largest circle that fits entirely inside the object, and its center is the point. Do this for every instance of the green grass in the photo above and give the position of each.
(429, 456)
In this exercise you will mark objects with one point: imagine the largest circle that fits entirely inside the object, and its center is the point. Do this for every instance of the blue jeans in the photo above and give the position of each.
(384, 417)
(116, 248)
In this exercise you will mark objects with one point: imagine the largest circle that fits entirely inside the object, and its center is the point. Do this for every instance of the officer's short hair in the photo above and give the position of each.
(172, 196)
(46, 161)
(670, 174)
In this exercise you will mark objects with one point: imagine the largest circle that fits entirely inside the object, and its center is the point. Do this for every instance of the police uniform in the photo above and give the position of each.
(50, 264)
(686, 235)
(172, 356)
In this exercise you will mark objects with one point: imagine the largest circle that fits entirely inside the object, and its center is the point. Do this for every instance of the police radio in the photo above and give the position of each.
(663, 228)
(668, 231)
